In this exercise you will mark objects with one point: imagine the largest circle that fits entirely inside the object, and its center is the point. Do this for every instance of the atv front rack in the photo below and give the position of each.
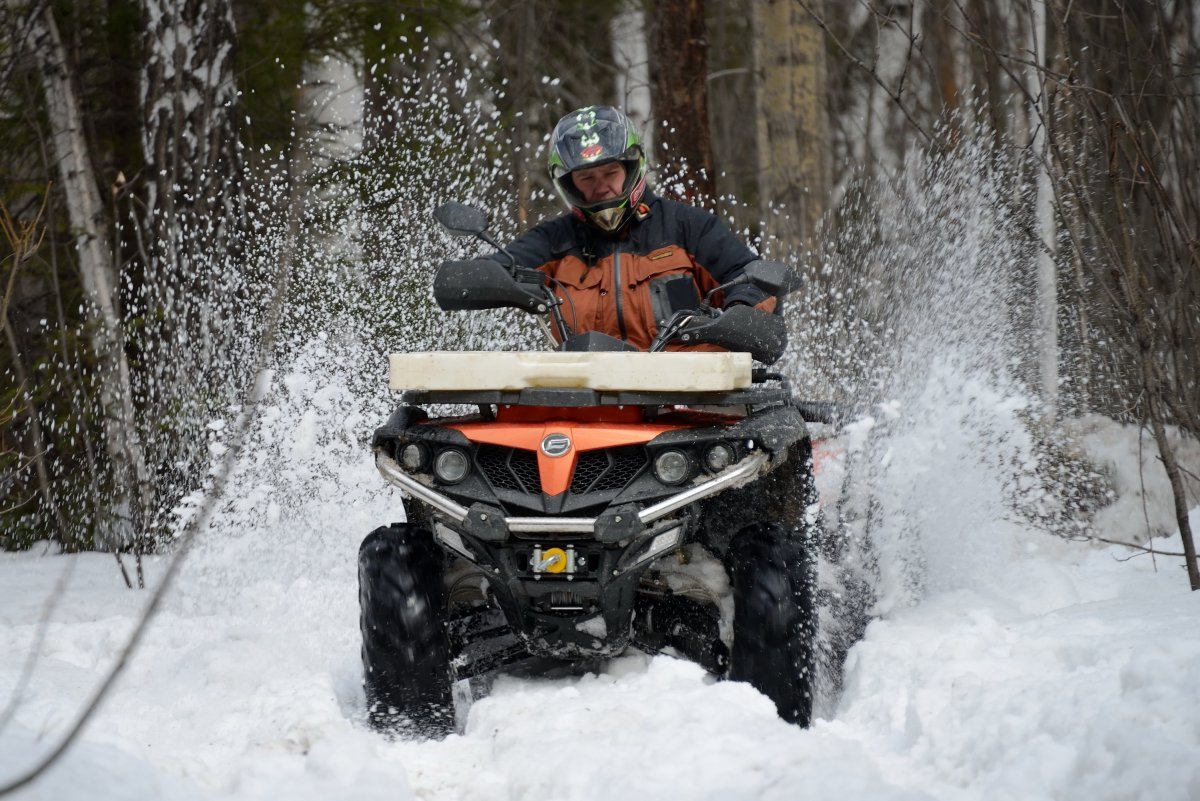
(558, 396)
(811, 411)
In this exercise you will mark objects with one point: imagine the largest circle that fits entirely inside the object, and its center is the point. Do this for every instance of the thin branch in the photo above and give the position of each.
(1151, 552)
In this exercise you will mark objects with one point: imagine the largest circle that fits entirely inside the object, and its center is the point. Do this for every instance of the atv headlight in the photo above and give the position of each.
(451, 465)
(718, 457)
(414, 457)
(672, 467)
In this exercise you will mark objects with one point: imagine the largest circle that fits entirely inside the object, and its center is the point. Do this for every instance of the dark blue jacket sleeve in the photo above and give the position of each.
(721, 252)
(540, 245)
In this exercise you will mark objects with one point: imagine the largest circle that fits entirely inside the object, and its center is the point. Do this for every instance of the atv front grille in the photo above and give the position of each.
(509, 468)
(612, 469)
(595, 471)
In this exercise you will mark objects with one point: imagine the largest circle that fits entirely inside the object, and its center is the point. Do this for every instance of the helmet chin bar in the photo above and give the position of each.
(609, 219)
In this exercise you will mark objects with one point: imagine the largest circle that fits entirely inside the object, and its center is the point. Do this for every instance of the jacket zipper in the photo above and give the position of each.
(617, 290)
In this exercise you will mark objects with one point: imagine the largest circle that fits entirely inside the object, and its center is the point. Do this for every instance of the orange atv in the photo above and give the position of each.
(600, 498)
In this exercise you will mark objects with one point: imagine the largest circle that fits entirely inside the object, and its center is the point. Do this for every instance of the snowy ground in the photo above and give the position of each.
(1025, 667)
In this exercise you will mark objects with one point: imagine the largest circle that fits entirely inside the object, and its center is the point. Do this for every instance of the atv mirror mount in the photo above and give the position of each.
(772, 277)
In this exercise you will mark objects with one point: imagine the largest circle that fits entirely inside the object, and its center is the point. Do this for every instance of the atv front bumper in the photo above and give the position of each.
(490, 524)
(586, 609)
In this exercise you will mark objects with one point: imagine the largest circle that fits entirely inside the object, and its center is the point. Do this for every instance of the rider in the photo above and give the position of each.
(624, 260)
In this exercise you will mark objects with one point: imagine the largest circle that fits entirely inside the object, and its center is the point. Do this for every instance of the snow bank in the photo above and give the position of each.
(1077, 682)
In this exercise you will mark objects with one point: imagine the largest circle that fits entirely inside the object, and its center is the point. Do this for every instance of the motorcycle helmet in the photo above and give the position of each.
(590, 137)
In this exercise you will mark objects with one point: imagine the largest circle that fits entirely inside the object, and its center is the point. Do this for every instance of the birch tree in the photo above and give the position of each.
(129, 476)
(195, 293)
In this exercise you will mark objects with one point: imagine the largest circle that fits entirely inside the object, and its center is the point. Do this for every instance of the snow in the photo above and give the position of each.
(1139, 506)
(1034, 668)
(594, 626)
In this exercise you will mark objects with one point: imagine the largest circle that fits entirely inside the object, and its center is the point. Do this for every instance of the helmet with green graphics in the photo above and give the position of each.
(590, 137)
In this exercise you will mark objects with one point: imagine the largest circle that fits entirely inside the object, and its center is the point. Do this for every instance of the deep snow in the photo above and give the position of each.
(1023, 666)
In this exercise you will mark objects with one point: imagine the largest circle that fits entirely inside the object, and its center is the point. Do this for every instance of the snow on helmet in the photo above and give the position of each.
(590, 137)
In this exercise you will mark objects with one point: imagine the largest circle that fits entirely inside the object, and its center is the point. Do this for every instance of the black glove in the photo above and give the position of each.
(746, 296)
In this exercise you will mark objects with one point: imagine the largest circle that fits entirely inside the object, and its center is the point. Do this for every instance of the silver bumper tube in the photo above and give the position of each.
(732, 477)
(392, 472)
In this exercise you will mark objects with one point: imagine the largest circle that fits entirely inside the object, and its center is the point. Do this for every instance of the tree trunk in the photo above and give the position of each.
(197, 297)
(680, 67)
(1178, 492)
(793, 130)
(632, 61)
(130, 481)
(1047, 273)
(194, 200)
(889, 132)
(522, 93)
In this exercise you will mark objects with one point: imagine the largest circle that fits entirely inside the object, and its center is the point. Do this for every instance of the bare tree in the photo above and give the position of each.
(23, 239)
(1135, 204)
(1120, 120)
(1098, 105)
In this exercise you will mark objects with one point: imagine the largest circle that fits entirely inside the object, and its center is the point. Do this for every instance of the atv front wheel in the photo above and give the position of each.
(773, 574)
(405, 653)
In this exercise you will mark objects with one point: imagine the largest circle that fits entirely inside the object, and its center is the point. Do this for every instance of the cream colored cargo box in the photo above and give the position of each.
(609, 372)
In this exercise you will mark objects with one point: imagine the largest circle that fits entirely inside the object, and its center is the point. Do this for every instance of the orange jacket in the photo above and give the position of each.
(669, 257)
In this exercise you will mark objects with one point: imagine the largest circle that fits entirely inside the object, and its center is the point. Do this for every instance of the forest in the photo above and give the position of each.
(190, 190)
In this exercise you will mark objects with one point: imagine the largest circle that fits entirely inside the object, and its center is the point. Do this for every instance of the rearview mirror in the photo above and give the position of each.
(459, 219)
(772, 277)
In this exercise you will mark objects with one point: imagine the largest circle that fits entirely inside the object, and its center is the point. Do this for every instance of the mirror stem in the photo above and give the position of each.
(486, 237)
(741, 279)
(556, 314)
